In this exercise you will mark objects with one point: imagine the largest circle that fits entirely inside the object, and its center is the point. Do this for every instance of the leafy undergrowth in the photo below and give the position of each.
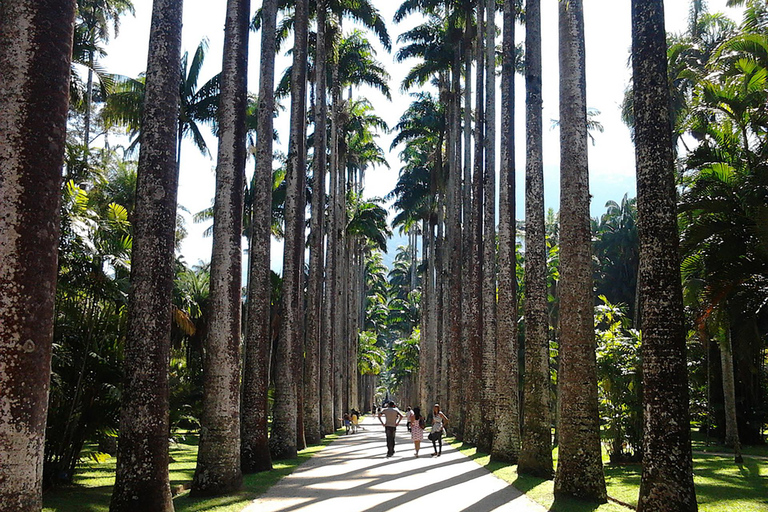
(721, 485)
(93, 483)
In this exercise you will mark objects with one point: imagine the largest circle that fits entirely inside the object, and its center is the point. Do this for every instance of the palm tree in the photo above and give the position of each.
(197, 104)
(255, 454)
(314, 353)
(142, 462)
(34, 78)
(218, 468)
(536, 450)
(488, 303)
(473, 336)
(506, 440)
(287, 419)
(667, 479)
(580, 465)
(94, 19)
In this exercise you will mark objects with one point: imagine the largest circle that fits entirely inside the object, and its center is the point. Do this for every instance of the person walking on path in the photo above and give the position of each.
(408, 417)
(438, 424)
(392, 417)
(417, 428)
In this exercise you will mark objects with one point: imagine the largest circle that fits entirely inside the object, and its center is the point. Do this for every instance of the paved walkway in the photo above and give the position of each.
(353, 474)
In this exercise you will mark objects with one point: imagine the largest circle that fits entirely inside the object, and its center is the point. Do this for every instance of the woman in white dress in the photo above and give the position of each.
(417, 428)
(438, 427)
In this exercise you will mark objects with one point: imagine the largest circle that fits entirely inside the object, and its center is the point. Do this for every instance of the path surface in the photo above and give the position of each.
(353, 474)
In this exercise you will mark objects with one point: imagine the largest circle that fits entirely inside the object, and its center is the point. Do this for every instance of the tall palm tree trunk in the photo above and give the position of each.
(427, 381)
(580, 465)
(466, 231)
(283, 441)
(729, 396)
(506, 440)
(254, 450)
(490, 364)
(536, 449)
(35, 53)
(667, 479)
(454, 236)
(439, 304)
(141, 481)
(312, 429)
(218, 468)
(473, 410)
(338, 203)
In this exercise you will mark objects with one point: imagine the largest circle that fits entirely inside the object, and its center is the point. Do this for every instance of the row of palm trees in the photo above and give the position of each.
(470, 308)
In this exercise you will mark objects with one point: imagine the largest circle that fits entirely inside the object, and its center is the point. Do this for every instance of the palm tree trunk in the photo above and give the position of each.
(466, 231)
(667, 479)
(312, 429)
(425, 354)
(218, 468)
(474, 336)
(536, 452)
(729, 396)
(254, 452)
(580, 465)
(506, 441)
(338, 203)
(454, 237)
(485, 440)
(141, 481)
(439, 304)
(283, 442)
(35, 58)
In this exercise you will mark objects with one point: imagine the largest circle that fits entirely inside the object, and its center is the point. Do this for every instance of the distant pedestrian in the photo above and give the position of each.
(408, 417)
(438, 428)
(392, 417)
(417, 428)
(347, 421)
(354, 417)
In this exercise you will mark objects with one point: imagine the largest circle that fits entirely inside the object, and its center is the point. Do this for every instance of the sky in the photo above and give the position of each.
(608, 41)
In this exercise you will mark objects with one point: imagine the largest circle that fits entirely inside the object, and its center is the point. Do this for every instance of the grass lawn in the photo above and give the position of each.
(700, 444)
(721, 485)
(93, 483)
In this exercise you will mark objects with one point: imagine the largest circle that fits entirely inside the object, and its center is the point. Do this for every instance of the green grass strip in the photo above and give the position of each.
(721, 485)
(93, 483)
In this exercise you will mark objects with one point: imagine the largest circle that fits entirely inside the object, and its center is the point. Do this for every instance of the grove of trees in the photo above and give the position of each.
(621, 332)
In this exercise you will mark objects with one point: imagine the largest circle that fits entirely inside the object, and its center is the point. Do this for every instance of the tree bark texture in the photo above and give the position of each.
(667, 479)
(485, 440)
(283, 442)
(457, 424)
(330, 412)
(473, 410)
(536, 451)
(729, 395)
(312, 369)
(141, 481)
(218, 468)
(506, 439)
(580, 465)
(452, 370)
(35, 53)
(254, 447)
(425, 346)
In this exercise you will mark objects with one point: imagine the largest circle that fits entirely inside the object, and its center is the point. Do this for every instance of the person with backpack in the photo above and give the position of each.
(418, 424)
